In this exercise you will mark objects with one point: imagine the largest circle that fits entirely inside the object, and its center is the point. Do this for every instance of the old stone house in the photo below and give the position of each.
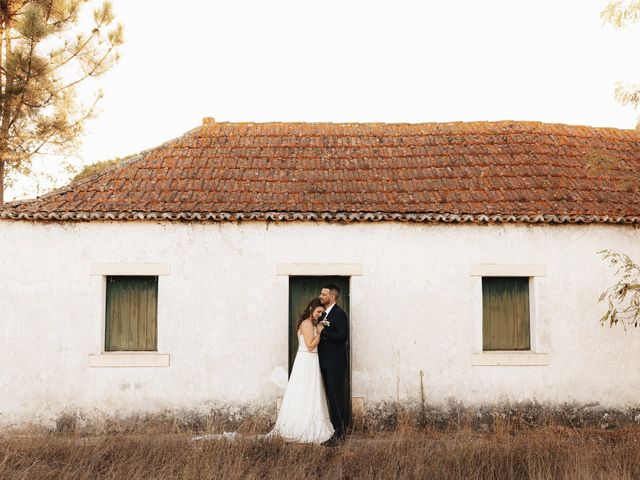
(465, 251)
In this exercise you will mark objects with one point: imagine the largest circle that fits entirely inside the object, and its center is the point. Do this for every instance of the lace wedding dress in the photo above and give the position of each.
(304, 416)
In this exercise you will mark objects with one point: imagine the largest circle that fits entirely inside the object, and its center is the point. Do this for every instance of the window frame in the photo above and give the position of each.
(532, 357)
(136, 358)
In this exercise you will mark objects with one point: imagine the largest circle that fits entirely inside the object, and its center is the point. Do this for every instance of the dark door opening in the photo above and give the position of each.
(301, 291)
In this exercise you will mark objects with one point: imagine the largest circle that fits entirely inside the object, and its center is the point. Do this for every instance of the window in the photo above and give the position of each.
(505, 313)
(131, 320)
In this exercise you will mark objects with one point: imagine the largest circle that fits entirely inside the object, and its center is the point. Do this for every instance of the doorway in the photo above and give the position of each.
(301, 290)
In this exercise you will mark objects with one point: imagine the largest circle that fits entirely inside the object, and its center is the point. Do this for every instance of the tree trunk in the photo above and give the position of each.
(6, 82)
(2, 103)
(1, 181)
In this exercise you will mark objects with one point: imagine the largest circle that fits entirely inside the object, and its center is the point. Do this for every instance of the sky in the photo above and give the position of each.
(351, 61)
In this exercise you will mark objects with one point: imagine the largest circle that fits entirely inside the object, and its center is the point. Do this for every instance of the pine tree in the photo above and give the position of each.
(44, 55)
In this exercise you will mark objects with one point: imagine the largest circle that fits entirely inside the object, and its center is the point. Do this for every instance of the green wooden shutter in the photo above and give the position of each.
(505, 313)
(131, 313)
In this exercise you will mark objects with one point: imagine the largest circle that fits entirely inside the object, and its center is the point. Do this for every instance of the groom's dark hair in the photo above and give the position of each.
(333, 289)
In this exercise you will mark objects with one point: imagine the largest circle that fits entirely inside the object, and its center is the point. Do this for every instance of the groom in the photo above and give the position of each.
(332, 353)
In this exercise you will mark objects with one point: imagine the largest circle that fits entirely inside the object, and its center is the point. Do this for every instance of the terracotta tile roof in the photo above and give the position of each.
(482, 171)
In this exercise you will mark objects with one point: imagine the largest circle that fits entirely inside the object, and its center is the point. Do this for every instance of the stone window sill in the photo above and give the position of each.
(510, 359)
(129, 359)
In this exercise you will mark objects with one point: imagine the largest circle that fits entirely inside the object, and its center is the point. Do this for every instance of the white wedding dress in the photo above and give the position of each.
(304, 416)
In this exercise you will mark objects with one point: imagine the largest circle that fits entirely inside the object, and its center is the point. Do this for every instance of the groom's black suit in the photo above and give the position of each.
(332, 353)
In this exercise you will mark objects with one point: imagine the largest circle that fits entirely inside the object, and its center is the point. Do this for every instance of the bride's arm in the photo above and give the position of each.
(307, 334)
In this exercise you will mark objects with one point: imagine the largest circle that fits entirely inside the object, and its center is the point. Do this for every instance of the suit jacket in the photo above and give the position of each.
(332, 349)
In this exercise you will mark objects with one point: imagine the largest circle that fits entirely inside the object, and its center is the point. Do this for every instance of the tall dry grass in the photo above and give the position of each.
(546, 453)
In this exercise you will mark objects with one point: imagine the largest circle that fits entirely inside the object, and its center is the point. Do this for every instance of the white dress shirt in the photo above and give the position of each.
(328, 309)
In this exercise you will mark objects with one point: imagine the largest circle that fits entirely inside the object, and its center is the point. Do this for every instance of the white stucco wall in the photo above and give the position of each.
(222, 313)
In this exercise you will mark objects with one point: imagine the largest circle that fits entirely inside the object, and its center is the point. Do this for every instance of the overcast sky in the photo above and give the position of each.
(355, 61)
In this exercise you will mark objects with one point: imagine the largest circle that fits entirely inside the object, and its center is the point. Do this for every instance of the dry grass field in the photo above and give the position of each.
(541, 453)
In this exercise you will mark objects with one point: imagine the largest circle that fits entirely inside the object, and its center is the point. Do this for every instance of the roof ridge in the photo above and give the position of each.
(417, 124)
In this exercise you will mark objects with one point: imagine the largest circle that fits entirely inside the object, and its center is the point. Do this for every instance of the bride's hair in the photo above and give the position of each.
(311, 306)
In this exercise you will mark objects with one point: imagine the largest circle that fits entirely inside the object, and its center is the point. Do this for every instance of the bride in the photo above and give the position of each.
(304, 416)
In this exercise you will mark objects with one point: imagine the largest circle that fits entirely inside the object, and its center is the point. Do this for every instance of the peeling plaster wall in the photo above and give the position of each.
(222, 314)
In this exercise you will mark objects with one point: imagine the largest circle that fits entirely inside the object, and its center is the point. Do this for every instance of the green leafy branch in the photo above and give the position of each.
(623, 298)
